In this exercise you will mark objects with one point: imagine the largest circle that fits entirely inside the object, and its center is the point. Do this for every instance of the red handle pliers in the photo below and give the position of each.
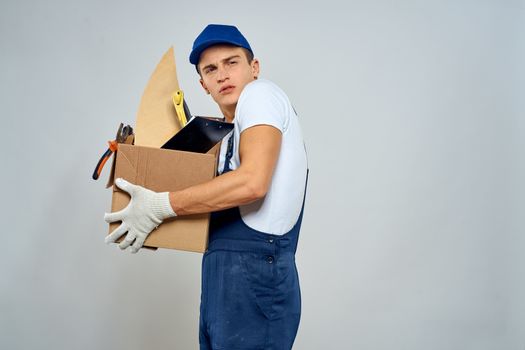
(122, 134)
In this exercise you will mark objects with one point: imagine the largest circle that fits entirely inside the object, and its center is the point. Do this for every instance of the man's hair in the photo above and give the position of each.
(247, 53)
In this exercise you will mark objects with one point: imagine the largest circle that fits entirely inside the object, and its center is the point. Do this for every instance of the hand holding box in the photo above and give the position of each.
(145, 212)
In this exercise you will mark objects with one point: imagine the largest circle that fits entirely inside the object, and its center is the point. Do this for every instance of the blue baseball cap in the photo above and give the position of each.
(215, 34)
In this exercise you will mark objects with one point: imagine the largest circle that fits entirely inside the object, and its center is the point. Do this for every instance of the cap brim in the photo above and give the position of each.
(197, 51)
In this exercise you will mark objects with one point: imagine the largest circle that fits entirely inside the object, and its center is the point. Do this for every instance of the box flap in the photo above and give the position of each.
(157, 119)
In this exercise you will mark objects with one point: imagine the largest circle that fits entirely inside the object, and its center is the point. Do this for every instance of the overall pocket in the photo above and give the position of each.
(273, 282)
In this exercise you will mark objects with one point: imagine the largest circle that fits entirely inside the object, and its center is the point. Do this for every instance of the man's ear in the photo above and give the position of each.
(204, 86)
(255, 68)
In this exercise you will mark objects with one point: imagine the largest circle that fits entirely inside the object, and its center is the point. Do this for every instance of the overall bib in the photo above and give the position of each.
(250, 297)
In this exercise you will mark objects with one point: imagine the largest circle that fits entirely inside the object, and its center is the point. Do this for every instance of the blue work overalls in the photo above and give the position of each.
(250, 295)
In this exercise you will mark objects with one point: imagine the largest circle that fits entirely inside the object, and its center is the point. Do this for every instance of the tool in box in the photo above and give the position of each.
(124, 135)
(183, 112)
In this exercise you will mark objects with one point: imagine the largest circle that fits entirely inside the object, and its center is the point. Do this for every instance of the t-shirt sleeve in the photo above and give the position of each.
(261, 104)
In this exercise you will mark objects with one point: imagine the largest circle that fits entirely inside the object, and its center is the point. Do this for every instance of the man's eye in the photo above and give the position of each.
(232, 62)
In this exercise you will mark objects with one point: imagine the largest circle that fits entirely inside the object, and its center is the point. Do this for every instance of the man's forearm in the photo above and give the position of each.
(229, 190)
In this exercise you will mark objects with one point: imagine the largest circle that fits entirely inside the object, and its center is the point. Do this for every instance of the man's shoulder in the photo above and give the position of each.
(262, 102)
(262, 87)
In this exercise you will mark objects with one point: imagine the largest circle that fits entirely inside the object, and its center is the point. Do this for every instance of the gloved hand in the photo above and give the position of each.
(145, 211)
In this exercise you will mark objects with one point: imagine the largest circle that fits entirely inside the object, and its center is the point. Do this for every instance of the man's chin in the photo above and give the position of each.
(227, 102)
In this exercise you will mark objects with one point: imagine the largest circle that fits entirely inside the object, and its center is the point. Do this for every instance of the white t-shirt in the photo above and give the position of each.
(264, 103)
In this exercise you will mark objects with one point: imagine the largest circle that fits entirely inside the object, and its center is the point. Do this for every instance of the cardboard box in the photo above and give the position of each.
(163, 170)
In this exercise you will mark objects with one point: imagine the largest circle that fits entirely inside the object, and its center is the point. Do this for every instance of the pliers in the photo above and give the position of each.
(122, 134)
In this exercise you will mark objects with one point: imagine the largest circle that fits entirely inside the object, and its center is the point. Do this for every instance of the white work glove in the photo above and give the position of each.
(145, 211)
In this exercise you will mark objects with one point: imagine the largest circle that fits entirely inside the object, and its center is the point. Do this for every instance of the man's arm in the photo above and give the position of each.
(259, 151)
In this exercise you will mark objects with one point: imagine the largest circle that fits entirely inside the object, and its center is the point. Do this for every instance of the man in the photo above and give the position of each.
(250, 295)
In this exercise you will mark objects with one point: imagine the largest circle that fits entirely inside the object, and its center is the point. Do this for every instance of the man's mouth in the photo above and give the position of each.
(226, 89)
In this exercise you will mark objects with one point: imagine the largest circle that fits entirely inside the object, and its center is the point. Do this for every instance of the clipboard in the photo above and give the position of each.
(199, 135)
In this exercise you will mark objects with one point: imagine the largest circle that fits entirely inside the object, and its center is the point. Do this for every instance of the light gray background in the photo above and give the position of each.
(413, 116)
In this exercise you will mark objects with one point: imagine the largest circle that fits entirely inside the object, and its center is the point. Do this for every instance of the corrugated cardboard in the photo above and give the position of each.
(166, 170)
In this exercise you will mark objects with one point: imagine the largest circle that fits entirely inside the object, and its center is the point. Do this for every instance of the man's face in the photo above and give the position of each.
(225, 71)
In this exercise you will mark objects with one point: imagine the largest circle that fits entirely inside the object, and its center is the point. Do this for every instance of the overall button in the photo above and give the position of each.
(269, 260)
(270, 241)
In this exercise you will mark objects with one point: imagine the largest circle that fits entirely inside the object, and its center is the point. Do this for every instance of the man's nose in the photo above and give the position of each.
(222, 74)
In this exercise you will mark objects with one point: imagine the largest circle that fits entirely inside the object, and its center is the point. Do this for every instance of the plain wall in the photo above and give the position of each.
(413, 115)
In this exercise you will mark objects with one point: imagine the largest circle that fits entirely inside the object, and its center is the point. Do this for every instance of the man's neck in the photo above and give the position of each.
(228, 113)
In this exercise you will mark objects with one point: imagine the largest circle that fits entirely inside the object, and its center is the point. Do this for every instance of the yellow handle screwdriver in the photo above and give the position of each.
(178, 102)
